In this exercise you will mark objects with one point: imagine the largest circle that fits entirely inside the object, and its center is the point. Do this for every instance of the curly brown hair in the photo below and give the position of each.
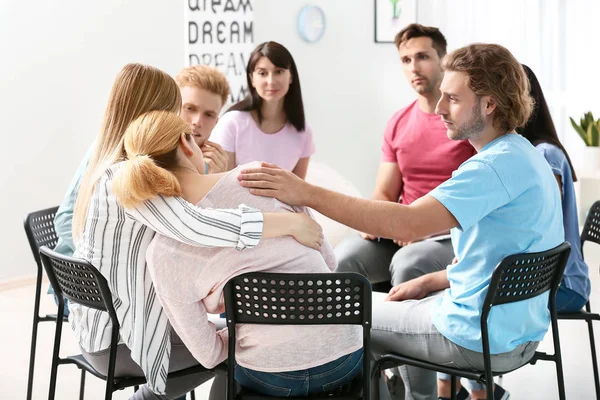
(494, 71)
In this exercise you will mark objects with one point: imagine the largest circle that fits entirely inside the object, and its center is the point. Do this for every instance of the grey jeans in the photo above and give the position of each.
(180, 359)
(405, 327)
(385, 261)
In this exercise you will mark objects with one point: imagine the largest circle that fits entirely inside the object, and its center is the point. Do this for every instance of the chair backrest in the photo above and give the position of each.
(523, 276)
(79, 281)
(39, 228)
(299, 299)
(591, 228)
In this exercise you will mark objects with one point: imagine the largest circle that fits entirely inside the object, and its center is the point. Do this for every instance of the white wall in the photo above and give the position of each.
(350, 85)
(58, 61)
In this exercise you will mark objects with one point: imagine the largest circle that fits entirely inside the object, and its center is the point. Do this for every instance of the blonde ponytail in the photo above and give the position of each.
(151, 144)
(137, 89)
(140, 179)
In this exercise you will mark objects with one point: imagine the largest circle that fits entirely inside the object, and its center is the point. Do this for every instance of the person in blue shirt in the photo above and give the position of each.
(504, 200)
(575, 286)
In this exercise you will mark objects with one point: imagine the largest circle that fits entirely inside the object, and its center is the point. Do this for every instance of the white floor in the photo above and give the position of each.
(530, 382)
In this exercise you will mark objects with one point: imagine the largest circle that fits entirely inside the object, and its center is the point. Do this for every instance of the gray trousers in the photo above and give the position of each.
(405, 327)
(180, 359)
(385, 261)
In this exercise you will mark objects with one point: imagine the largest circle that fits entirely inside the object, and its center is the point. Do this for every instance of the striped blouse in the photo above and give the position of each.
(115, 240)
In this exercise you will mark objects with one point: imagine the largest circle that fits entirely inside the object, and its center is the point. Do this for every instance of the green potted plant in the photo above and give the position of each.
(589, 131)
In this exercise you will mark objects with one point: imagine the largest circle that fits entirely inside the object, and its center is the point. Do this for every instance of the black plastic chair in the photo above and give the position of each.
(516, 278)
(81, 283)
(591, 233)
(39, 227)
(299, 299)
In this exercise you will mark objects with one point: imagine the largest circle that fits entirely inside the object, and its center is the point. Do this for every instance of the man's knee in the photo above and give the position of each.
(353, 254)
(419, 259)
(348, 255)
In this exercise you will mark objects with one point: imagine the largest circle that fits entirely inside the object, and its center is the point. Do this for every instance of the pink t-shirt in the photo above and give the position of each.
(189, 283)
(418, 143)
(238, 133)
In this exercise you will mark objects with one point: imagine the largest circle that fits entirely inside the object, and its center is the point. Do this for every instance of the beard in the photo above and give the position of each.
(472, 128)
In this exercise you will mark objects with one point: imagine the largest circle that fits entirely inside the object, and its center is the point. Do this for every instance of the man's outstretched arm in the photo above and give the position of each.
(424, 217)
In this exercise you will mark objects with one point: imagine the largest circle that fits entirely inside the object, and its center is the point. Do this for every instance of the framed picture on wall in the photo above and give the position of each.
(391, 16)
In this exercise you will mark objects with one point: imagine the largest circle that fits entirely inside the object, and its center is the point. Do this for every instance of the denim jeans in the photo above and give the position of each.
(323, 378)
(65, 301)
(568, 300)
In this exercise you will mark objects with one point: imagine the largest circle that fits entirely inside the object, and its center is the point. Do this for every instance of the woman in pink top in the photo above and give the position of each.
(269, 124)
(281, 360)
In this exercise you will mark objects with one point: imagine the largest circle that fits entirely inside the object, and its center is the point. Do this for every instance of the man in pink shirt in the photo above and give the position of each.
(417, 157)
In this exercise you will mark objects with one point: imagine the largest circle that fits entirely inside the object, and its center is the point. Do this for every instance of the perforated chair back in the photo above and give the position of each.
(298, 299)
(78, 281)
(39, 228)
(591, 228)
(516, 278)
(523, 276)
(81, 283)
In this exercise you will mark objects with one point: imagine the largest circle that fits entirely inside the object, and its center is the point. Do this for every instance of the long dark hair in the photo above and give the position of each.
(540, 128)
(292, 103)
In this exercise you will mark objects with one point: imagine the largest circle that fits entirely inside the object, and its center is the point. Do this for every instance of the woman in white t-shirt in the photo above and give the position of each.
(269, 124)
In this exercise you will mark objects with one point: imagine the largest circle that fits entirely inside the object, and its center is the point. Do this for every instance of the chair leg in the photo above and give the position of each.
(55, 357)
(193, 395)
(375, 377)
(558, 360)
(32, 356)
(594, 357)
(82, 385)
(36, 320)
(453, 387)
(489, 386)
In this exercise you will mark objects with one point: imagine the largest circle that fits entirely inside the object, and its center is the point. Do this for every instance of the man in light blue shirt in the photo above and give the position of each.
(502, 201)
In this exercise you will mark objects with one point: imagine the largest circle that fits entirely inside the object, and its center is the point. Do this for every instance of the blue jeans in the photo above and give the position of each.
(65, 300)
(568, 300)
(323, 378)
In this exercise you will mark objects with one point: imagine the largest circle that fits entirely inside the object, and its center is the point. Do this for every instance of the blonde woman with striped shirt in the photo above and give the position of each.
(126, 197)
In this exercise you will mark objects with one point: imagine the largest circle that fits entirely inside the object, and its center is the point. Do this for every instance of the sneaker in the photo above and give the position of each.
(463, 394)
(500, 393)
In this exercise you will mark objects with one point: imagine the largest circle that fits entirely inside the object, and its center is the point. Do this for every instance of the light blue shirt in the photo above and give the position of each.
(506, 201)
(577, 276)
(63, 221)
